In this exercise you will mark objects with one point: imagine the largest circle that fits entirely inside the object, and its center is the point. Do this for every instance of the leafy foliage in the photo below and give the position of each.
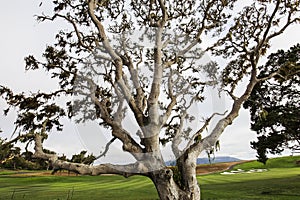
(11, 157)
(274, 104)
(81, 158)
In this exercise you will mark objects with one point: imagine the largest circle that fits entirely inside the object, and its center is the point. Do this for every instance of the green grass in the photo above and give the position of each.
(281, 181)
(76, 187)
(10, 172)
(282, 162)
(273, 184)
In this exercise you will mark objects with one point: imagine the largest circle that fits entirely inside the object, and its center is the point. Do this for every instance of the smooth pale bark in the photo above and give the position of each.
(179, 184)
(168, 189)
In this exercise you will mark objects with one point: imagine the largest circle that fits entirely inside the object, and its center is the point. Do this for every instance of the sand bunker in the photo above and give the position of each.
(240, 171)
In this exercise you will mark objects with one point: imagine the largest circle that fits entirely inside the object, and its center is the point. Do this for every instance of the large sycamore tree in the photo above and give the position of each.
(143, 59)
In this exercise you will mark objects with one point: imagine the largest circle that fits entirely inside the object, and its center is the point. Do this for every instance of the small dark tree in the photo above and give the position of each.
(142, 58)
(275, 105)
(7, 152)
(12, 158)
(81, 158)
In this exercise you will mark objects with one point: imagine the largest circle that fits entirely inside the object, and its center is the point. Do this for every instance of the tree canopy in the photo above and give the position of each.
(11, 157)
(274, 105)
(145, 60)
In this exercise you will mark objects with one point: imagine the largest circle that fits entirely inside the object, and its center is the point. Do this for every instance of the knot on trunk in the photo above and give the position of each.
(166, 174)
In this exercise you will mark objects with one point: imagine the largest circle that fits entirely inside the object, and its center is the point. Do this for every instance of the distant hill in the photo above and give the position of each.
(218, 159)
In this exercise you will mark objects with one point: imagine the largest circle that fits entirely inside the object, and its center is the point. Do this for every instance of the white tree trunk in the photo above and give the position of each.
(168, 189)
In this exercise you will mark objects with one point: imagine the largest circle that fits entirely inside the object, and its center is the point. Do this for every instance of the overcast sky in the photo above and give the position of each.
(21, 35)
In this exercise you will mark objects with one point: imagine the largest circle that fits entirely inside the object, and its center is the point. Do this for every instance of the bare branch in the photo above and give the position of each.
(157, 78)
(288, 23)
(129, 144)
(210, 140)
(178, 135)
(264, 38)
(124, 170)
(233, 97)
(164, 12)
(106, 148)
(140, 95)
(18, 138)
(197, 136)
(173, 102)
(102, 35)
(277, 73)
(118, 62)
(78, 33)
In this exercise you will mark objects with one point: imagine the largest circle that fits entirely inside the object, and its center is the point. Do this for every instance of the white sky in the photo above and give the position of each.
(21, 35)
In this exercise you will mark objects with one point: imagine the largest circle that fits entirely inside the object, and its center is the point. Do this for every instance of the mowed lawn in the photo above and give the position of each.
(281, 181)
(76, 188)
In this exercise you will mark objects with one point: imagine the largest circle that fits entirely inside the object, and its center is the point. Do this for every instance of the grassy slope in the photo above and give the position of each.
(282, 162)
(277, 183)
(281, 181)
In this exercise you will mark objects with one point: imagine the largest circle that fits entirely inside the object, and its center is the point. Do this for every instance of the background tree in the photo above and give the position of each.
(6, 152)
(81, 158)
(143, 59)
(274, 105)
(11, 157)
